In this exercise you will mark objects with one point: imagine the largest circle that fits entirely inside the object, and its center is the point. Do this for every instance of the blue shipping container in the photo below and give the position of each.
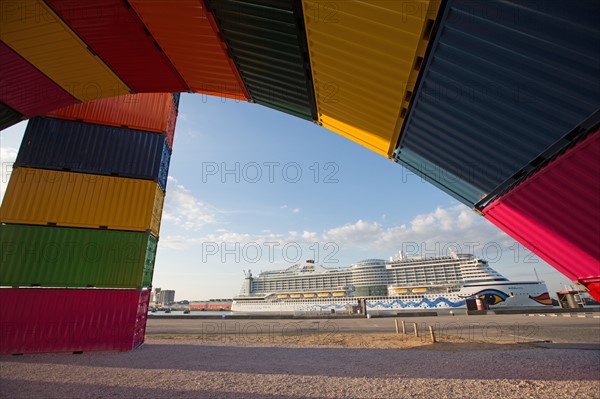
(88, 148)
(451, 182)
(504, 82)
(176, 97)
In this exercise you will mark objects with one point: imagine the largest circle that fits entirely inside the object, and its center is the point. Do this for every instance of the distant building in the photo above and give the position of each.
(168, 297)
(163, 297)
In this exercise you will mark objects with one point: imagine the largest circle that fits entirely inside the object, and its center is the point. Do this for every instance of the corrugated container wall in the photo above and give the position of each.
(182, 29)
(47, 197)
(38, 320)
(37, 34)
(366, 58)
(8, 116)
(176, 98)
(154, 112)
(555, 212)
(112, 29)
(267, 41)
(26, 89)
(502, 84)
(442, 179)
(82, 147)
(68, 257)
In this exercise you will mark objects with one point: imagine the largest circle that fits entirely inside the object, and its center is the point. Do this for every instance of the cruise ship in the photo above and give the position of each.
(400, 284)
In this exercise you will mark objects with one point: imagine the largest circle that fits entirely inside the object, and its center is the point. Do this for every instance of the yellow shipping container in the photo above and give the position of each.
(365, 58)
(36, 33)
(46, 197)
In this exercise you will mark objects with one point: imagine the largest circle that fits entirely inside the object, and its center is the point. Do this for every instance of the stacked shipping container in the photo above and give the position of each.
(502, 92)
(80, 224)
(555, 213)
(365, 58)
(150, 112)
(71, 320)
(118, 36)
(199, 55)
(32, 30)
(267, 42)
(26, 89)
(59, 52)
(501, 86)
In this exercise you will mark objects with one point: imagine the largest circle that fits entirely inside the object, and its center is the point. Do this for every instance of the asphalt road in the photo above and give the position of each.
(489, 328)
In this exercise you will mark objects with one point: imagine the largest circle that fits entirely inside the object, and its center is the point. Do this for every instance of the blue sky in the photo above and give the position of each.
(253, 188)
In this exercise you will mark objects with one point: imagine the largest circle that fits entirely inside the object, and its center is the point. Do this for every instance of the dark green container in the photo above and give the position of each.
(267, 41)
(69, 257)
(8, 116)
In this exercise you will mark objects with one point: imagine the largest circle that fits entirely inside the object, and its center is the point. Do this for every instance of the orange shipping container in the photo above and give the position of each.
(41, 197)
(183, 30)
(153, 112)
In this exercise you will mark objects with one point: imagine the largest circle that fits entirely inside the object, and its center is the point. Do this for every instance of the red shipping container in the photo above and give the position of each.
(27, 90)
(43, 320)
(594, 288)
(113, 30)
(555, 213)
(154, 112)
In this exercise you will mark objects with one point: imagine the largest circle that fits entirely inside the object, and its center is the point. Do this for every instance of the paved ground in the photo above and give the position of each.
(492, 328)
(240, 367)
(191, 369)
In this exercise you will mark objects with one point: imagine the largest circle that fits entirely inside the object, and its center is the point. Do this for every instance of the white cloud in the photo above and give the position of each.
(436, 229)
(430, 233)
(309, 236)
(444, 218)
(8, 155)
(296, 210)
(358, 233)
(466, 219)
(183, 209)
(422, 223)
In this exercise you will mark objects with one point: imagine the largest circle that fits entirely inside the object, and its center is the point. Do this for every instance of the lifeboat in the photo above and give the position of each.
(339, 293)
(281, 296)
(419, 290)
(295, 295)
(309, 295)
(399, 290)
(323, 294)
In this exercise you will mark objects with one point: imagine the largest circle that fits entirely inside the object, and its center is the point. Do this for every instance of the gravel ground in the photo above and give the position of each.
(195, 369)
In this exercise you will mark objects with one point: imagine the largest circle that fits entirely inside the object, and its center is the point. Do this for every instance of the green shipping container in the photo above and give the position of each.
(71, 257)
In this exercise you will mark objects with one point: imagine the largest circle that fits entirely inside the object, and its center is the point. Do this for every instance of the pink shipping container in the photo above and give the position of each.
(27, 90)
(154, 112)
(44, 320)
(555, 213)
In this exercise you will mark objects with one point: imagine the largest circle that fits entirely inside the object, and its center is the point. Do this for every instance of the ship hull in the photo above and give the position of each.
(502, 295)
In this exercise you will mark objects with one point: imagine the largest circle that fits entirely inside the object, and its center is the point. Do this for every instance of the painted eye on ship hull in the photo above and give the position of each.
(491, 299)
